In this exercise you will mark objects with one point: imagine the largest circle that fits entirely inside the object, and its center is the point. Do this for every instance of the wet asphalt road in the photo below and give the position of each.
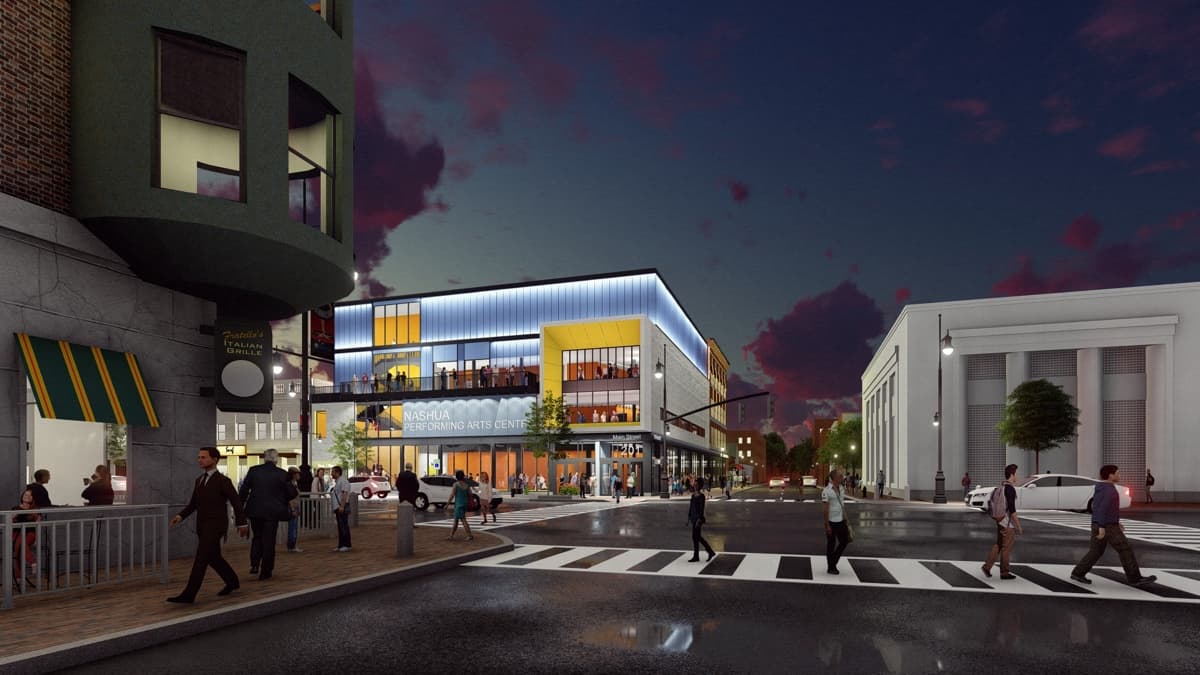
(522, 620)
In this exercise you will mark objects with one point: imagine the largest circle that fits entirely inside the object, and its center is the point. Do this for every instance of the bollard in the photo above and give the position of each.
(404, 529)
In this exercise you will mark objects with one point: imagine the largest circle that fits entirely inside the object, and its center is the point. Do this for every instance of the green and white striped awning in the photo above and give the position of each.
(74, 382)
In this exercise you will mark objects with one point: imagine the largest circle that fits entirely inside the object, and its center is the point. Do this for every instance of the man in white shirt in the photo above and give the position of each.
(837, 533)
(339, 495)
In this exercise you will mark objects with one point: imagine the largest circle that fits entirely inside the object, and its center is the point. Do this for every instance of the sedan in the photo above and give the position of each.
(777, 482)
(371, 486)
(809, 481)
(1050, 491)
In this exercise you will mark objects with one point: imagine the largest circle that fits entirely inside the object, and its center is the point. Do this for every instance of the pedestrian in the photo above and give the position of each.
(266, 493)
(879, 485)
(696, 520)
(212, 495)
(319, 484)
(485, 497)
(460, 496)
(41, 497)
(339, 498)
(1008, 525)
(305, 484)
(99, 490)
(1149, 484)
(25, 538)
(1107, 529)
(727, 486)
(615, 483)
(293, 533)
(837, 529)
(630, 482)
(966, 484)
(407, 486)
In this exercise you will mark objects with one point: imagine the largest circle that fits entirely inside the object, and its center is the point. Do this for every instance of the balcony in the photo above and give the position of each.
(418, 388)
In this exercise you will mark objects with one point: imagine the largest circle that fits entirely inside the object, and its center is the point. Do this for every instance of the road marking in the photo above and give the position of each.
(1033, 579)
(1177, 536)
(511, 518)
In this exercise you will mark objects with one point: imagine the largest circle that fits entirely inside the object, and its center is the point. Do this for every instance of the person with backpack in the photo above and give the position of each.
(1149, 484)
(1106, 529)
(615, 482)
(1002, 506)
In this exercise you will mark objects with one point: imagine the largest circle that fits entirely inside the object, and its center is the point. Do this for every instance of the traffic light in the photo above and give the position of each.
(771, 406)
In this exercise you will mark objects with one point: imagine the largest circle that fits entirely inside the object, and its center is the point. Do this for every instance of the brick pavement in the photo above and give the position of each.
(53, 620)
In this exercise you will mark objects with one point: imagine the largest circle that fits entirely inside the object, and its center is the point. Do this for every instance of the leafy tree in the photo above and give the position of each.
(845, 441)
(349, 446)
(547, 427)
(1039, 415)
(115, 444)
(802, 455)
(777, 451)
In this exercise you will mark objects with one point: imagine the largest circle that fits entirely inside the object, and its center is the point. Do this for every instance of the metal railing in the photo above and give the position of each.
(316, 517)
(465, 381)
(81, 547)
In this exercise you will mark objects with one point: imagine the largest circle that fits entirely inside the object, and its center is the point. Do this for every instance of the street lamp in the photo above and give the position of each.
(660, 373)
(939, 479)
(277, 363)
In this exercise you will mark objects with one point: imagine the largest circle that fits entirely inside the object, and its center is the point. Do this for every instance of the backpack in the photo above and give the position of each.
(997, 504)
(1149, 479)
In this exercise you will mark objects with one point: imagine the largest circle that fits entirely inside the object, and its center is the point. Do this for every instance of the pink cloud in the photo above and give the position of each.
(1062, 124)
(1064, 119)
(636, 66)
(1122, 27)
(488, 97)
(460, 170)
(504, 154)
(739, 191)
(1161, 166)
(829, 254)
(794, 193)
(972, 107)
(903, 295)
(675, 151)
(1126, 145)
(883, 124)
(706, 228)
(853, 268)
(1081, 233)
(1196, 136)
(522, 30)
(425, 60)
(888, 163)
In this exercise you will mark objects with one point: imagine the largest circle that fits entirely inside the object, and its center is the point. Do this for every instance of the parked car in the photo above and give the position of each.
(371, 486)
(1050, 491)
(436, 490)
(777, 482)
(809, 481)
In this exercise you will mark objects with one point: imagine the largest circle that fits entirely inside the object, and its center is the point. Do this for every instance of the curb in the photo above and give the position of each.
(122, 642)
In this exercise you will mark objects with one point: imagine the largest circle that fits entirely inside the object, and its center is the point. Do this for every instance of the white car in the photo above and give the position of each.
(1050, 491)
(371, 486)
(777, 482)
(436, 490)
(809, 481)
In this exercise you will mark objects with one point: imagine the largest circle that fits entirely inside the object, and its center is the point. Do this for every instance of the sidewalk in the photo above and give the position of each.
(53, 631)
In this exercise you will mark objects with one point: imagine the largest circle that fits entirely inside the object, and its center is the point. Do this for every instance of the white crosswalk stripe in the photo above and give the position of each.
(1045, 580)
(511, 518)
(787, 500)
(1141, 530)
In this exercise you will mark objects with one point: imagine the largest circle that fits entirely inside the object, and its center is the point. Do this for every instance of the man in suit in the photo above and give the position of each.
(210, 494)
(266, 492)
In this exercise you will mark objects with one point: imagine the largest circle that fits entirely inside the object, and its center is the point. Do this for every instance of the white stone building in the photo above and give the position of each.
(1129, 358)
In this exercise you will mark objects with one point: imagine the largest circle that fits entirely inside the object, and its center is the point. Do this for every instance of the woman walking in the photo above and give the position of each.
(485, 497)
(460, 496)
(696, 520)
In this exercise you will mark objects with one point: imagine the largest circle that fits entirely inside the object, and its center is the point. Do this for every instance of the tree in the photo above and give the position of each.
(349, 446)
(777, 451)
(844, 441)
(1038, 416)
(115, 444)
(547, 426)
(802, 455)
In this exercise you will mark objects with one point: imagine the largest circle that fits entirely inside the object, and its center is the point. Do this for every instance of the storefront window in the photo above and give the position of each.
(605, 363)
(397, 323)
(620, 406)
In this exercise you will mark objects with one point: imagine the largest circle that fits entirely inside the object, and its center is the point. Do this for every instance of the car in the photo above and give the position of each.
(436, 490)
(777, 482)
(371, 486)
(809, 481)
(1050, 491)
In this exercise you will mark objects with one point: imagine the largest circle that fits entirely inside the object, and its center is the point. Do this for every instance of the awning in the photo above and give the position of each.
(74, 382)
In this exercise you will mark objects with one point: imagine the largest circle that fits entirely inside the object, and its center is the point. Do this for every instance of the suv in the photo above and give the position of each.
(436, 490)
(371, 486)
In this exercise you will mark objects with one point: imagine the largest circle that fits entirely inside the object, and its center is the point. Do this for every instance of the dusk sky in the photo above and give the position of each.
(796, 171)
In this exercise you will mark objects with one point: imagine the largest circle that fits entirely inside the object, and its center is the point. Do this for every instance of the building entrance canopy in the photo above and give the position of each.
(75, 382)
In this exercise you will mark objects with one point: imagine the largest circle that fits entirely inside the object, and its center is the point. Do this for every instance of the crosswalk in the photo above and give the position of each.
(1141, 530)
(788, 500)
(1047, 580)
(524, 516)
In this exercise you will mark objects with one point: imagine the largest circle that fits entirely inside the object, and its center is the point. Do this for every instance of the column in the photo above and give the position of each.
(1016, 372)
(1090, 400)
(1159, 418)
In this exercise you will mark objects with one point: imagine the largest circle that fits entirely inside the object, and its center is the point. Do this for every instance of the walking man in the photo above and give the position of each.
(265, 493)
(1149, 484)
(696, 520)
(837, 532)
(879, 485)
(407, 486)
(615, 482)
(1007, 527)
(1106, 529)
(339, 495)
(210, 494)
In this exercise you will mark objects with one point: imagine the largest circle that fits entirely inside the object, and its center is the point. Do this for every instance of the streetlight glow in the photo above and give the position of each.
(658, 370)
(292, 390)
(947, 344)
(937, 419)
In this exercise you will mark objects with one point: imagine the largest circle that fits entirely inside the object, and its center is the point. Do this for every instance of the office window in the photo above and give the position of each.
(200, 111)
(260, 431)
(220, 432)
(293, 430)
(277, 430)
(311, 143)
(240, 431)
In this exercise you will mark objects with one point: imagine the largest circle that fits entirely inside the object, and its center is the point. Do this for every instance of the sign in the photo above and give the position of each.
(467, 417)
(626, 438)
(243, 365)
(320, 331)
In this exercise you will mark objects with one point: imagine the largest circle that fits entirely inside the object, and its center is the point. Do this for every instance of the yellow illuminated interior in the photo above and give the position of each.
(589, 335)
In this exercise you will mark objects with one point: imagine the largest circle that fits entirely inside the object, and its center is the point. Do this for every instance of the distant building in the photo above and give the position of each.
(718, 380)
(751, 454)
(821, 426)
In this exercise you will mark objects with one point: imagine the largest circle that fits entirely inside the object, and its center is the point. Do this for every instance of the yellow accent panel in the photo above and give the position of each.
(595, 334)
(321, 419)
(414, 323)
(551, 364)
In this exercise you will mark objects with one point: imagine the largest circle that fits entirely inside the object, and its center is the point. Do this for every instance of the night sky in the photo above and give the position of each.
(796, 171)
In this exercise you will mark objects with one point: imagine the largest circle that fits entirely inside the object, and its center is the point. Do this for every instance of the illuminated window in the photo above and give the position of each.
(200, 117)
(311, 146)
(240, 432)
(397, 324)
(220, 432)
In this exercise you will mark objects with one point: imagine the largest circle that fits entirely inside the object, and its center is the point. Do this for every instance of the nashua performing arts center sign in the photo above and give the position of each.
(470, 417)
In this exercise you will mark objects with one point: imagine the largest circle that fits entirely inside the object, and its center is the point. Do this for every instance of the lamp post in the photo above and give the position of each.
(660, 373)
(939, 480)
